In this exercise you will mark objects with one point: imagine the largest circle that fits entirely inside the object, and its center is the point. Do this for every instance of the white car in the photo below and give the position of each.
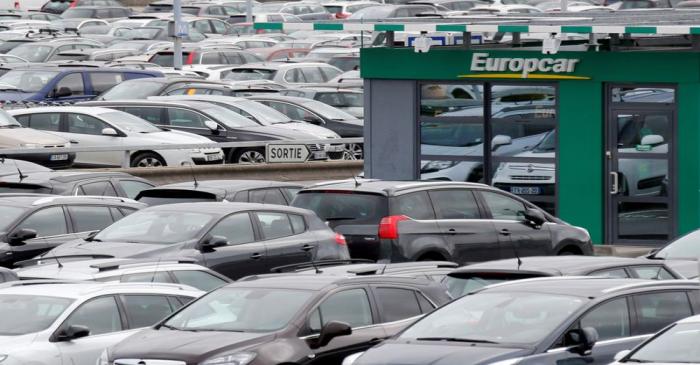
(241, 42)
(676, 344)
(100, 127)
(72, 323)
(288, 74)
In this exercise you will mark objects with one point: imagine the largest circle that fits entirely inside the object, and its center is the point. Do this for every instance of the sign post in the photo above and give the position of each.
(280, 153)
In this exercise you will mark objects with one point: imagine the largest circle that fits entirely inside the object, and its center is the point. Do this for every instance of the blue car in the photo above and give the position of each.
(56, 84)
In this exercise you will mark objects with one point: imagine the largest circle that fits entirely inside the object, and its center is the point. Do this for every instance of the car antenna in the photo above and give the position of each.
(357, 183)
(517, 254)
(155, 270)
(21, 175)
(194, 177)
(384, 269)
(55, 257)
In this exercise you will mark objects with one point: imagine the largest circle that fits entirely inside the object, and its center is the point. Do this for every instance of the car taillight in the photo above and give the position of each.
(73, 4)
(389, 226)
(340, 239)
(341, 15)
(190, 58)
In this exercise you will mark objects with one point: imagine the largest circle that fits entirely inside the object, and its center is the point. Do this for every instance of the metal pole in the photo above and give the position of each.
(248, 11)
(177, 49)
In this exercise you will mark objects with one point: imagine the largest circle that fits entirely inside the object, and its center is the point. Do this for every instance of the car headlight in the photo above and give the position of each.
(103, 359)
(507, 362)
(351, 359)
(438, 165)
(195, 150)
(239, 358)
(29, 145)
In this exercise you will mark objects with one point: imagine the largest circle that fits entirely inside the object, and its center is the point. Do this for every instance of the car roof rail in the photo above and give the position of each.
(659, 283)
(395, 268)
(18, 283)
(50, 199)
(57, 259)
(145, 284)
(114, 265)
(321, 263)
(543, 278)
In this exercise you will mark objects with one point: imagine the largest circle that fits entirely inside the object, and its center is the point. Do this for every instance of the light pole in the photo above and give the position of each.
(180, 31)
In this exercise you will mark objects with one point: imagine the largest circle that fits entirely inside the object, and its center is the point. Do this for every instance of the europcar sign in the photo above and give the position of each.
(522, 67)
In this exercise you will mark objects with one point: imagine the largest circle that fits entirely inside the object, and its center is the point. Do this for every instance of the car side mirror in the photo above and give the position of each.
(62, 92)
(582, 340)
(18, 238)
(109, 132)
(212, 242)
(73, 332)
(330, 331)
(313, 119)
(500, 140)
(534, 217)
(211, 125)
(652, 140)
(621, 355)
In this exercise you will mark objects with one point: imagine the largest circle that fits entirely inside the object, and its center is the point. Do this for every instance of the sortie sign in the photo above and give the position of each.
(287, 153)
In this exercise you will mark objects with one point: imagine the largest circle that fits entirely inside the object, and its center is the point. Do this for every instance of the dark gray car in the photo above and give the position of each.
(234, 239)
(541, 321)
(462, 222)
(74, 183)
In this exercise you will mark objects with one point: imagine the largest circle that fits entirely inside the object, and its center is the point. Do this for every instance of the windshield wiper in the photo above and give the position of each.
(171, 327)
(637, 360)
(454, 339)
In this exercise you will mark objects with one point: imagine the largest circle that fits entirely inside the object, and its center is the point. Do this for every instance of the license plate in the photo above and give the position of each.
(525, 190)
(213, 157)
(319, 155)
(61, 157)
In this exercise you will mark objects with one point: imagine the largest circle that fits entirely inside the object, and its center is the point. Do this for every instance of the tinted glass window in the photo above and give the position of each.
(211, 58)
(658, 310)
(397, 304)
(503, 207)
(100, 315)
(44, 121)
(73, 82)
(102, 81)
(610, 319)
(425, 305)
(145, 310)
(652, 273)
(615, 273)
(198, 279)
(339, 208)
(455, 204)
(219, 27)
(46, 222)
(146, 277)
(349, 306)
(185, 118)
(87, 218)
(100, 188)
(298, 224)
(415, 205)
(152, 115)
(267, 196)
(274, 225)
(85, 124)
(133, 187)
(237, 229)
(313, 74)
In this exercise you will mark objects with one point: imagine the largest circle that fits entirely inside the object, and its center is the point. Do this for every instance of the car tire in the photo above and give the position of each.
(147, 159)
(249, 156)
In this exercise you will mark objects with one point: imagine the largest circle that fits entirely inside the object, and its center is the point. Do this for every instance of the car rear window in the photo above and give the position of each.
(163, 196)
(23, 188)
(333, 9)
(344, 207)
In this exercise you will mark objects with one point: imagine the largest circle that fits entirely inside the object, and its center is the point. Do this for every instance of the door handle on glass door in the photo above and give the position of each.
(615, 183)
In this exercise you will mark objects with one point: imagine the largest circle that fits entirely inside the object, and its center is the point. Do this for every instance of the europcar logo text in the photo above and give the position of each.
(523, 68)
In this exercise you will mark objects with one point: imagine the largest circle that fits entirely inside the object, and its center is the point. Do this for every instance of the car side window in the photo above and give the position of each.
(612, 273)
(198, 279)
(274, 225)
(455, 204)
(211, 58)
(100, 315)
(294, 75)
(90, 218)
(185, 118)
(329, 73)
(46, 222)
(267, 196)
(152, 115)
(73, 82)
(415, 205)
(313, 74)
(44, 121)
(219, 27)
(99, 188)
(298, 223)
(103, 81)
(85, 124)
(349, 306)
(652, 272)
(132, 188)
(611, 319)
(237, 228)
(395, 304)
(146, 277)
(657, 310)
(503, 207)
(202, 26)
(145, 310)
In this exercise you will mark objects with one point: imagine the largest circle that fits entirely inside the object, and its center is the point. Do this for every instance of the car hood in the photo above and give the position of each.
(311, 129)
(15, 96)
(188, 346)
(119, 249)
(422, 353)
(173, 137)
(8, 344)
(280, 132)
(687, 268)
(11, 137)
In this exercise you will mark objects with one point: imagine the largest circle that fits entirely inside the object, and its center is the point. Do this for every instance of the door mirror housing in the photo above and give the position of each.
(214, 126)
(330, 331)
(110, 132)
(652, 140)
(212, 242)
(500, 140)
(582, 340)
(62, 92)
(313, 119)
(534, 217)
(18, 238)
(621, 355)
(73, 332)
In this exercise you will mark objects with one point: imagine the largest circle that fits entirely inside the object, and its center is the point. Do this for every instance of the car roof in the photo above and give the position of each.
(75, 290)
(200, 105)
(224, 207)
(91, 110)
(385, 187)
(100, 268)
(280, 65)
(555, 265)
(318, 282)
(63, 176)
(28, 200)
(225, 185)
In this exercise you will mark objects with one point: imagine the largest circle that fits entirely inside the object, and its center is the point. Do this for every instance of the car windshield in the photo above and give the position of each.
(8, 121)
(685, 247)
(31, 52)
(518, 318)
(262, 113)
(373, 12)
(267, 8)
(548, 143)
(241, 310)
(131, 90)
(328, 111)
(244, 74)
(78, 13)
(156, 227)
(228, 117)
(339, 208)
(30, 313)
(136, 46)
(460, 286)
(25, 80)
(678, 345)
(130, 122)
(8, 215)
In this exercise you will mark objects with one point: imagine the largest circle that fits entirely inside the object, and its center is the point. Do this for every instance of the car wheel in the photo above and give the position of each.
(249, 156)
(147, 159)
(353, 151)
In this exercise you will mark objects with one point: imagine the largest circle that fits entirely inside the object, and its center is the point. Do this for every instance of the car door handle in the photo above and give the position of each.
(256, 256)
(504, 232)
(74, 141)
(451, 231)
(307, 248)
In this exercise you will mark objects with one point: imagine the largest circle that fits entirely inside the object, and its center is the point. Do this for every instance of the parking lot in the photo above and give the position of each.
(446, 182)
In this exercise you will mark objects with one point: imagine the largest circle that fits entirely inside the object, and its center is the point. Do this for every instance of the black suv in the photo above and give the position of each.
(290, 319)
(32, 224)
(460, 222)
(75, 183)
(541, 321)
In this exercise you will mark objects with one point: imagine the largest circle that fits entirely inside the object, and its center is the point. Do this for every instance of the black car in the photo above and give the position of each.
(291, 319)
(214, 122)
(469, 278)
(31, 224)
(540, 321)
(75, 183)
(394, 221)
(243, 191)
(234, 239)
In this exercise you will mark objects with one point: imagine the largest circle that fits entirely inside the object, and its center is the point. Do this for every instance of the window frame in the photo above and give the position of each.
(29, 214)
(416, 293)
(121, 300)
(73, 225)
(306, 332)
(120, 310)
(257, 225)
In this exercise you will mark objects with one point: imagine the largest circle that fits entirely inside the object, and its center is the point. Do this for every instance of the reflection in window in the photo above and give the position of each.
(643, 177)
(451, 100)
(642, 95)
(643, 133)
(639, 220)
(451, 138)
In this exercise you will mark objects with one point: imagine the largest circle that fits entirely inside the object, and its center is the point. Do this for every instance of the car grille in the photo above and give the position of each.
(530, 177)
(54, 146)
(315, 147)
(147, 362)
